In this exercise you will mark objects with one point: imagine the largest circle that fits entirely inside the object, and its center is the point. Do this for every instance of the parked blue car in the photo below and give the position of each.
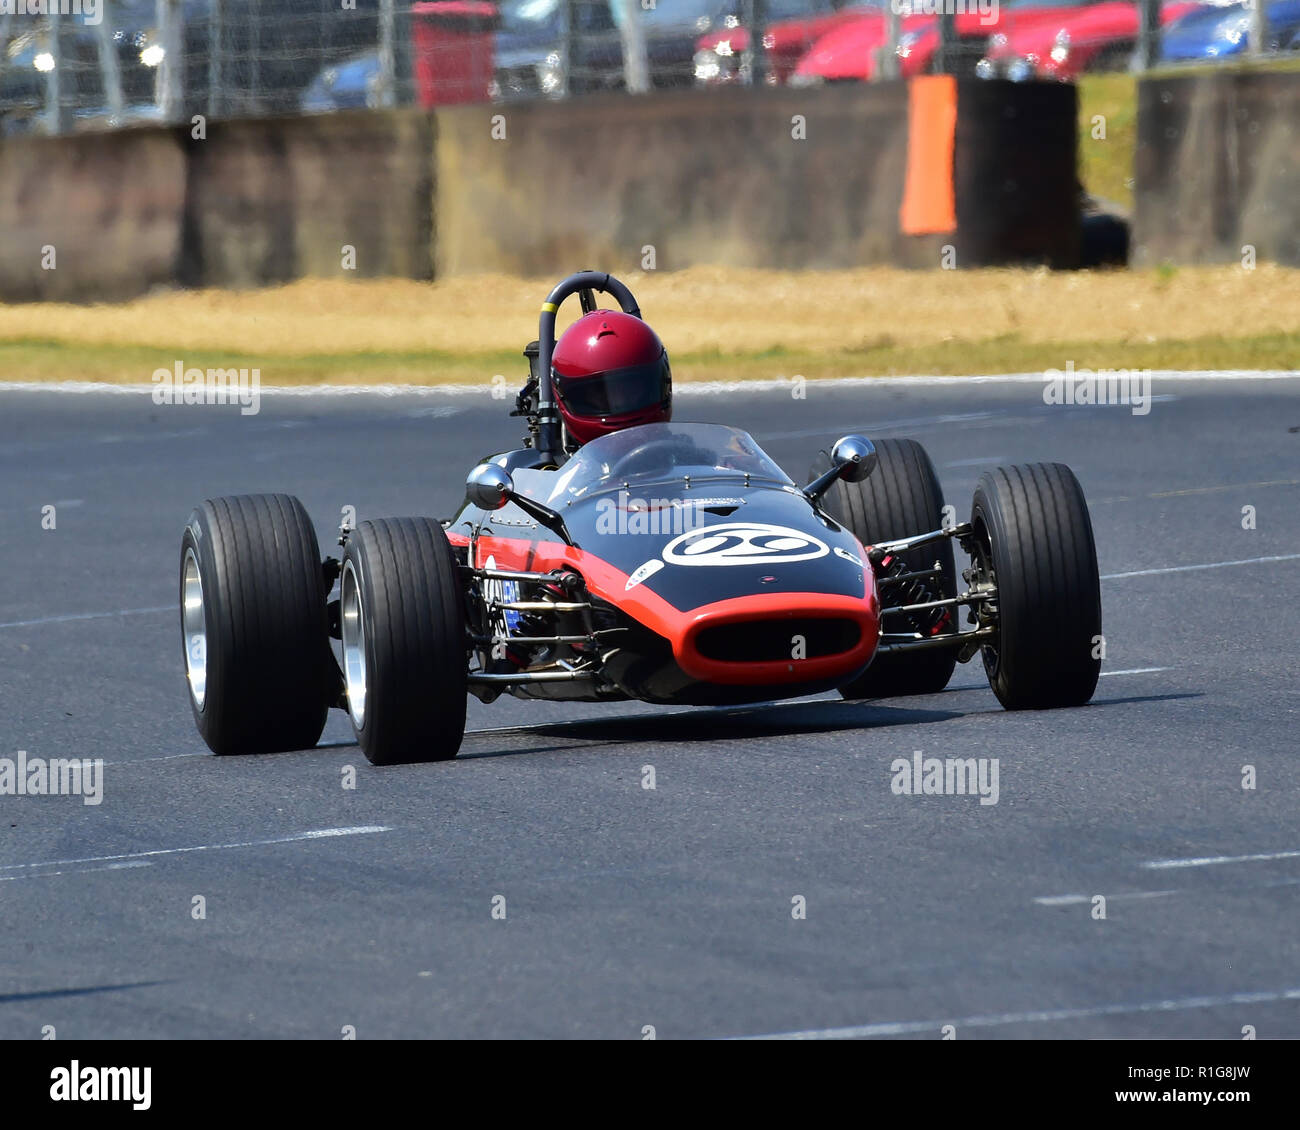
(349, 85)
(1222, 32)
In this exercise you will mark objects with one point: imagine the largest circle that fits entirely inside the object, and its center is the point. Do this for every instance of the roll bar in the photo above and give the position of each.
(583, 283)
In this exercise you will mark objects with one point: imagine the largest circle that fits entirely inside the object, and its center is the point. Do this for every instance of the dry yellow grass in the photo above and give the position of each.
(697, 310)
(394, 329)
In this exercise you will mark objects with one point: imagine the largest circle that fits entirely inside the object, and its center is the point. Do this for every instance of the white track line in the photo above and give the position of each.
(151, 760)
(990, 378)
(88, 616)
(319, 834)
(905, 1027)
(1195, 568)
(1075, 900)
(78, 871)
(708, 388)
(1226, 487)
(1138, 671)
(1214, 860)
(1130, 671)
(1220, 489)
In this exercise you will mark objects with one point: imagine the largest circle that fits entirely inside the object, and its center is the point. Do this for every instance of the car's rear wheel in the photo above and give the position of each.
(1034, 542)
(402, 623)
(902, 497)
(254, 624)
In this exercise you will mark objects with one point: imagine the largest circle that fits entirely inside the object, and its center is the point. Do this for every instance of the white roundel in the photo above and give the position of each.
(743, 543)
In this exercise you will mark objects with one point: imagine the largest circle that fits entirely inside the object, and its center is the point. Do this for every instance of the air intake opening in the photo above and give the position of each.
(766, 641)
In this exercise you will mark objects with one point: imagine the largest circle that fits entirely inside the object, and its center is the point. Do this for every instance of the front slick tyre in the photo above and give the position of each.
(405, 661)
(1034, 536)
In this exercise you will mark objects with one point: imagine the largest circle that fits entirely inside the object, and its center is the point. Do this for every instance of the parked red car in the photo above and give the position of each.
(852, 50)
(1098, 37)
(785, 40)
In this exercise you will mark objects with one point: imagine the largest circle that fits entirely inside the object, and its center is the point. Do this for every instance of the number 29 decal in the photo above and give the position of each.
(743, 543)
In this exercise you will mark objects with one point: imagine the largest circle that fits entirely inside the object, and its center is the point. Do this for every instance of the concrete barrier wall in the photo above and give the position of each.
(1218, 168)
(780, 178)
(110, 206)
(769, 178)
(275, 199)
(252, 203)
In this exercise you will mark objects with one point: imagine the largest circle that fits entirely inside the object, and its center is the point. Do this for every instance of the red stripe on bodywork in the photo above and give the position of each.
(682, 628)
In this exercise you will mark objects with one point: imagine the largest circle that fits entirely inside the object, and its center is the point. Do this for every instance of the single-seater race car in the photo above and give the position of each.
(672, 563)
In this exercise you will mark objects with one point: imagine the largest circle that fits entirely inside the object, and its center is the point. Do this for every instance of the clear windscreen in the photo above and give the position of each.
(658, 453)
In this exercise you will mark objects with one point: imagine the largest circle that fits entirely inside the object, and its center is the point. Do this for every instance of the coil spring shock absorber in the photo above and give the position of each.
(560, 587)
(924, 621)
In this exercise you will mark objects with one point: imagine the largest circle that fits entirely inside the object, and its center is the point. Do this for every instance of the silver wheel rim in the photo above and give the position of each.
(194, 624)
(984, 572)
(354, 645)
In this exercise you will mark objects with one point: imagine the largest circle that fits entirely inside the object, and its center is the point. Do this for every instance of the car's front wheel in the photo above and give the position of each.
(1034, 543)
(402, 624)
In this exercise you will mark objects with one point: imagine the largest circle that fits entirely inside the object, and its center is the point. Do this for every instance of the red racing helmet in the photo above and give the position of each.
(610, 371)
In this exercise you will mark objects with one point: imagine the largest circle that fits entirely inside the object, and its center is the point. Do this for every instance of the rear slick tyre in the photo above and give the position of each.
(254, 627)
(902, 497)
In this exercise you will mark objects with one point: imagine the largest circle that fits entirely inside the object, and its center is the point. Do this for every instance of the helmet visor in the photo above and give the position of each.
(617, 392)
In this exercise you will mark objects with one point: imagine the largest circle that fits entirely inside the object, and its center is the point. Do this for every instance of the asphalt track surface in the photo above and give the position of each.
(628, 907)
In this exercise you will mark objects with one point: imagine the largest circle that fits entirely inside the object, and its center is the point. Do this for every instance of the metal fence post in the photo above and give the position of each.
(387, 64)
(566, 46)
(945, 62)
(169, 82)
(110, 72)
(757, 30)
(1258, 36)
(889, 61)
(753, 59)
(55, 119)
(216, 48)
(1148, 51)
(636, 64)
